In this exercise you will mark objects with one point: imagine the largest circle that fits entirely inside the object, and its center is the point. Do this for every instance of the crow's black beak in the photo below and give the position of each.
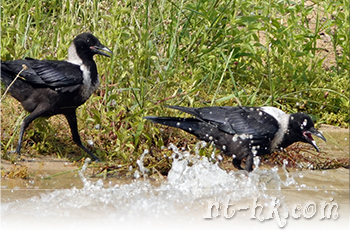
(98, 49)
(309, 139)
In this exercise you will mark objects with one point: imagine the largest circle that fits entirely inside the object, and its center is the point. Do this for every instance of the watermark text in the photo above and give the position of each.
(272, 209)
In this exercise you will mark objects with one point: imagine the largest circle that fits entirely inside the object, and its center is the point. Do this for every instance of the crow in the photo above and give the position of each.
(244, 132)
(50, 87)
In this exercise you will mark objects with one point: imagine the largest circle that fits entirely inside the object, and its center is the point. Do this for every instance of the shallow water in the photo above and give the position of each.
(197, 194)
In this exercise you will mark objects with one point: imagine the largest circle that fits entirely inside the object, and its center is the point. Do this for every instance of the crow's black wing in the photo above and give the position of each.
(237, 120)
(48, 73)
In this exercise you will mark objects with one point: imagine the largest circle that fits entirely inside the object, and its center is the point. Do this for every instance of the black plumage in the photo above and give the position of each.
(48, 87)
(244, 132)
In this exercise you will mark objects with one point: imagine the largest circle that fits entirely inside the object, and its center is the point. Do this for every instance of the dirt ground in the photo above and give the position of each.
(337, 146)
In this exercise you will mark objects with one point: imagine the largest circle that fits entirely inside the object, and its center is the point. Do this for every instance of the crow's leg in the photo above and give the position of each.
(72, 120)
(25, 123)
(237, 163)
(249, 163)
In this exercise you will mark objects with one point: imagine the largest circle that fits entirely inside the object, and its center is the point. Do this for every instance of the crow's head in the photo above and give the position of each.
(301, 127)
(87, 45)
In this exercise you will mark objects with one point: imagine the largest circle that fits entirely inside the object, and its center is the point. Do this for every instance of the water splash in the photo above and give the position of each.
(191, 181)
(142, 168)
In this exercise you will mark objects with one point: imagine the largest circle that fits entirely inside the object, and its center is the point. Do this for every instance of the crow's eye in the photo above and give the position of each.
(88, 41)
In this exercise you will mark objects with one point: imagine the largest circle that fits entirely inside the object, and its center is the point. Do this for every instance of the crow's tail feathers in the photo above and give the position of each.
(19, 88)
(6, 77)
(190, 125)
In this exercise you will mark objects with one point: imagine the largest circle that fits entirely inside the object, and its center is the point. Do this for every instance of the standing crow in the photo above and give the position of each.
(244, 131)
(49, 87)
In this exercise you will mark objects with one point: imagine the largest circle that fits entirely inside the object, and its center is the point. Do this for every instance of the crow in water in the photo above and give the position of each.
(244, 132)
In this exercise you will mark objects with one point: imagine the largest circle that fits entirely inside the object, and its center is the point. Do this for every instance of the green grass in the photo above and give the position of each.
(292, 55)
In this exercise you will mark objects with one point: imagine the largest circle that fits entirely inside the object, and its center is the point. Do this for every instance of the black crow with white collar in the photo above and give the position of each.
(49, 87)
(244, 132)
